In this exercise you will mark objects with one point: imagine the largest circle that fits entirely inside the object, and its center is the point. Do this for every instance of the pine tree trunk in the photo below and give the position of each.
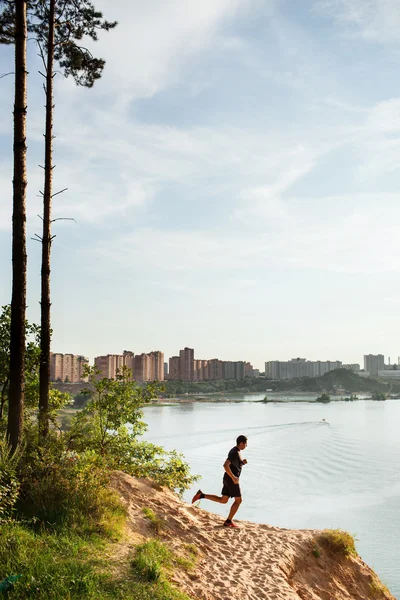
(45, 335)
(18, 300)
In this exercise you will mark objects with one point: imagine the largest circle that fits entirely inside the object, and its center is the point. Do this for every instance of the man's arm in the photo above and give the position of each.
(227, 467)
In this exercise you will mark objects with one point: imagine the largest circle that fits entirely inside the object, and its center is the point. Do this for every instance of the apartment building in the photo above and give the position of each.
(109, 365)
(157, 365)
(149, 367)
(373, 363)
(129, 361)
(206, 370)
(67, 367)
(186, 364)
(174, 368)
(200, 370)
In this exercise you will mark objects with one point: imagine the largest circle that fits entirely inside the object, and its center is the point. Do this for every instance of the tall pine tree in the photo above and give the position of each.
(59, 27)
(13, 29)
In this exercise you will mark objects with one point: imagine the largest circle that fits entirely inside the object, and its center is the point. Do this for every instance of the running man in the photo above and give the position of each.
(231, 488)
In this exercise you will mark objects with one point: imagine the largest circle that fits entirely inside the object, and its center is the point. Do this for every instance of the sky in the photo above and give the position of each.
(234, 179)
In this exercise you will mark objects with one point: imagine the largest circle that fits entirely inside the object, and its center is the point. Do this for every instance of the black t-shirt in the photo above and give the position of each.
(236, 461)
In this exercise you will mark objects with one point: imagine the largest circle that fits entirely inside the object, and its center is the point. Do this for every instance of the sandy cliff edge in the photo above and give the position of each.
(255, 562)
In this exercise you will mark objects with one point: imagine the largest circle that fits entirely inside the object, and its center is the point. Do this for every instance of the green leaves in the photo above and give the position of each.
(32, 358)
(75, 20)
(9, 486)
(110, 424)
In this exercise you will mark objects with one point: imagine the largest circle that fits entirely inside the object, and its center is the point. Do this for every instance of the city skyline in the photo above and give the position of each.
(127, 358)
(233, 177)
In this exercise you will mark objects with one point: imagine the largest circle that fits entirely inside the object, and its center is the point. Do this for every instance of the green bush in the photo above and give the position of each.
(337, 541)
(61, 487)
(110, 424)
(9, 485)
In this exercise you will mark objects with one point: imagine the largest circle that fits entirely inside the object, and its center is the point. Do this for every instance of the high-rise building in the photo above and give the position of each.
(215, 369)
(374, 363)
(236, 369)
(165, 370)
(129, 362)
(206, 370)
(156, 366)
(149, 367)
(142, 367)
(174, 368)
(186, 364)
(187, 368)
(67, 367)
(109, 365)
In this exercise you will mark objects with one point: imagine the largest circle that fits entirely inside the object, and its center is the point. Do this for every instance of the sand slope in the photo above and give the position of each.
(255, 562)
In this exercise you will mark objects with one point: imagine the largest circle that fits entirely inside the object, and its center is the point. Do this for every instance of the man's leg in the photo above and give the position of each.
(199, 496)
(220, 499)
(234, 508)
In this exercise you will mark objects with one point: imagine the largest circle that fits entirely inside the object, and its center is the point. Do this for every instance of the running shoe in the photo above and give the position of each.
(197, 496)
(231, 524)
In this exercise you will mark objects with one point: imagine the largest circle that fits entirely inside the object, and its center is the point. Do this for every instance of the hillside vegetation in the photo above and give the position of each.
(330, 382)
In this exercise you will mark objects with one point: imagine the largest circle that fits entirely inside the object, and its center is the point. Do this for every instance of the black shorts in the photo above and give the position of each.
(230, 489)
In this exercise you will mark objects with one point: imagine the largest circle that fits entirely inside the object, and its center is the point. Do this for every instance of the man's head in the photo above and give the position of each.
(241, 442)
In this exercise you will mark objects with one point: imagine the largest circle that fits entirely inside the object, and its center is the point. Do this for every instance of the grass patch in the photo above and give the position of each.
(339, 542)
(189, 560)
(316, 550)
(56, 566)
(156, 523)
(155, 561)
(67, 566)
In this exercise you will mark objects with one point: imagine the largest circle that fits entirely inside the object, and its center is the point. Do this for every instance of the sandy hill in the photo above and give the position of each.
(255, 562)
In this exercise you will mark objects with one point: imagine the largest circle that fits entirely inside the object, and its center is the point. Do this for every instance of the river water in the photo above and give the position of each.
(302, 472)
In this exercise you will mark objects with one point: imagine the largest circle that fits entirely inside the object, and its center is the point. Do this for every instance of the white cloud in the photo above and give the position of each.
(346, 233)
(155, 39)
(384, 117)
(374, 20)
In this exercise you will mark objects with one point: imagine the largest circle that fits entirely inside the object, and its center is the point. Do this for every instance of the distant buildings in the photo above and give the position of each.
(299, 367)
(373, 363)
(186, 368)
(143, 367)
(374, 366)
(355, 367)
(174, 368)
(67, 368)
(393, 373)
(110, 364)
(186, 364)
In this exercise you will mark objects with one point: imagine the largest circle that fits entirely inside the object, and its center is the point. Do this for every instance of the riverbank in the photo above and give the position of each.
(254, 562)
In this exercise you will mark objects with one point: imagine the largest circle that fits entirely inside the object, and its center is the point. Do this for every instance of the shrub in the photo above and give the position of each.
(9, 486)
(337, 541)
(110, 424)
(143, 459)
(61, 487)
